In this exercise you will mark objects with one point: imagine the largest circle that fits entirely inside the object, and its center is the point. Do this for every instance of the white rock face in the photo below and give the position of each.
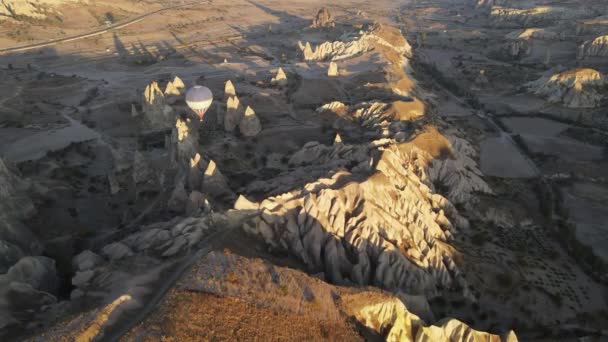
(184, 141)
(339, 50)
(577, 88)
(461, 174)
(32, 8)
(157, 113)
(229, 90)
(384, 230)
(280, 79)
(250, 125)
(390, 317)
(332, 71)
(335, 106)
(594, 48)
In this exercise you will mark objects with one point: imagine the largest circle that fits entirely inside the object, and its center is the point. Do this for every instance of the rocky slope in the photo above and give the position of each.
(537, 16)
(578, 88)
(278, 302)
(38, 9)
(374, 208)
(27, 281)
(597, 47)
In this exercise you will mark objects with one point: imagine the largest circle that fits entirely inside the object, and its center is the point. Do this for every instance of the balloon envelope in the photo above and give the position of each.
(199, 99)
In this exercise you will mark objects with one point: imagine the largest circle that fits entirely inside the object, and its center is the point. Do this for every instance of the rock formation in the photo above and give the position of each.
(229, 90)
(280, 79)
(171, 89)
(233, 115)
(337, 229)
(332, 71)
(577, 88)
(157, 112)
(391, 318)
(536, 16)
(338, 50)
(184, 141)
(250, 125)
(323, 19)
(597, 47)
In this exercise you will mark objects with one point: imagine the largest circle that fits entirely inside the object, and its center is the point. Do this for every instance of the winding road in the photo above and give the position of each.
(118, 26)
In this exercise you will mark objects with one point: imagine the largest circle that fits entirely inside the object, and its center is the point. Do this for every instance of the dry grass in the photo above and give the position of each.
(194, 316)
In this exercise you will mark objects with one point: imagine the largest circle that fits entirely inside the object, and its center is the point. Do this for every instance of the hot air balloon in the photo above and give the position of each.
(199, 99)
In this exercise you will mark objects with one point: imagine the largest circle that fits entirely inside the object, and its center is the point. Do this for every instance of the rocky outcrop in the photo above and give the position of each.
(536, 16)
(594, 48)
(157, 112)
(392, 319)
(174, 90)
(38, 9)
(332, 71)
(28, 285)
(280, 79)
(229, 90)
(323, 19)
(250, 125)
(520, 43)
(578, 88)
(357, 45)
(351, 232)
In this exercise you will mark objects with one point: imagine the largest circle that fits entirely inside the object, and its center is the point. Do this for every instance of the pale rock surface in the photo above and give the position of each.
(332, 71)
(234, 114)
(335, 107)
(184, 141)
(178, 83)
(390, 317)
(250, 125)
(339, 50)
(577, 88)
(171, 89)
(229, 90)
(597, 47)
(280, 78)
(337, 229)
(337, 139)
(460, 174)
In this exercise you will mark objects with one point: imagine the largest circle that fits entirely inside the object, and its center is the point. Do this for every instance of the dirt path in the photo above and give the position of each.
(22, 48)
